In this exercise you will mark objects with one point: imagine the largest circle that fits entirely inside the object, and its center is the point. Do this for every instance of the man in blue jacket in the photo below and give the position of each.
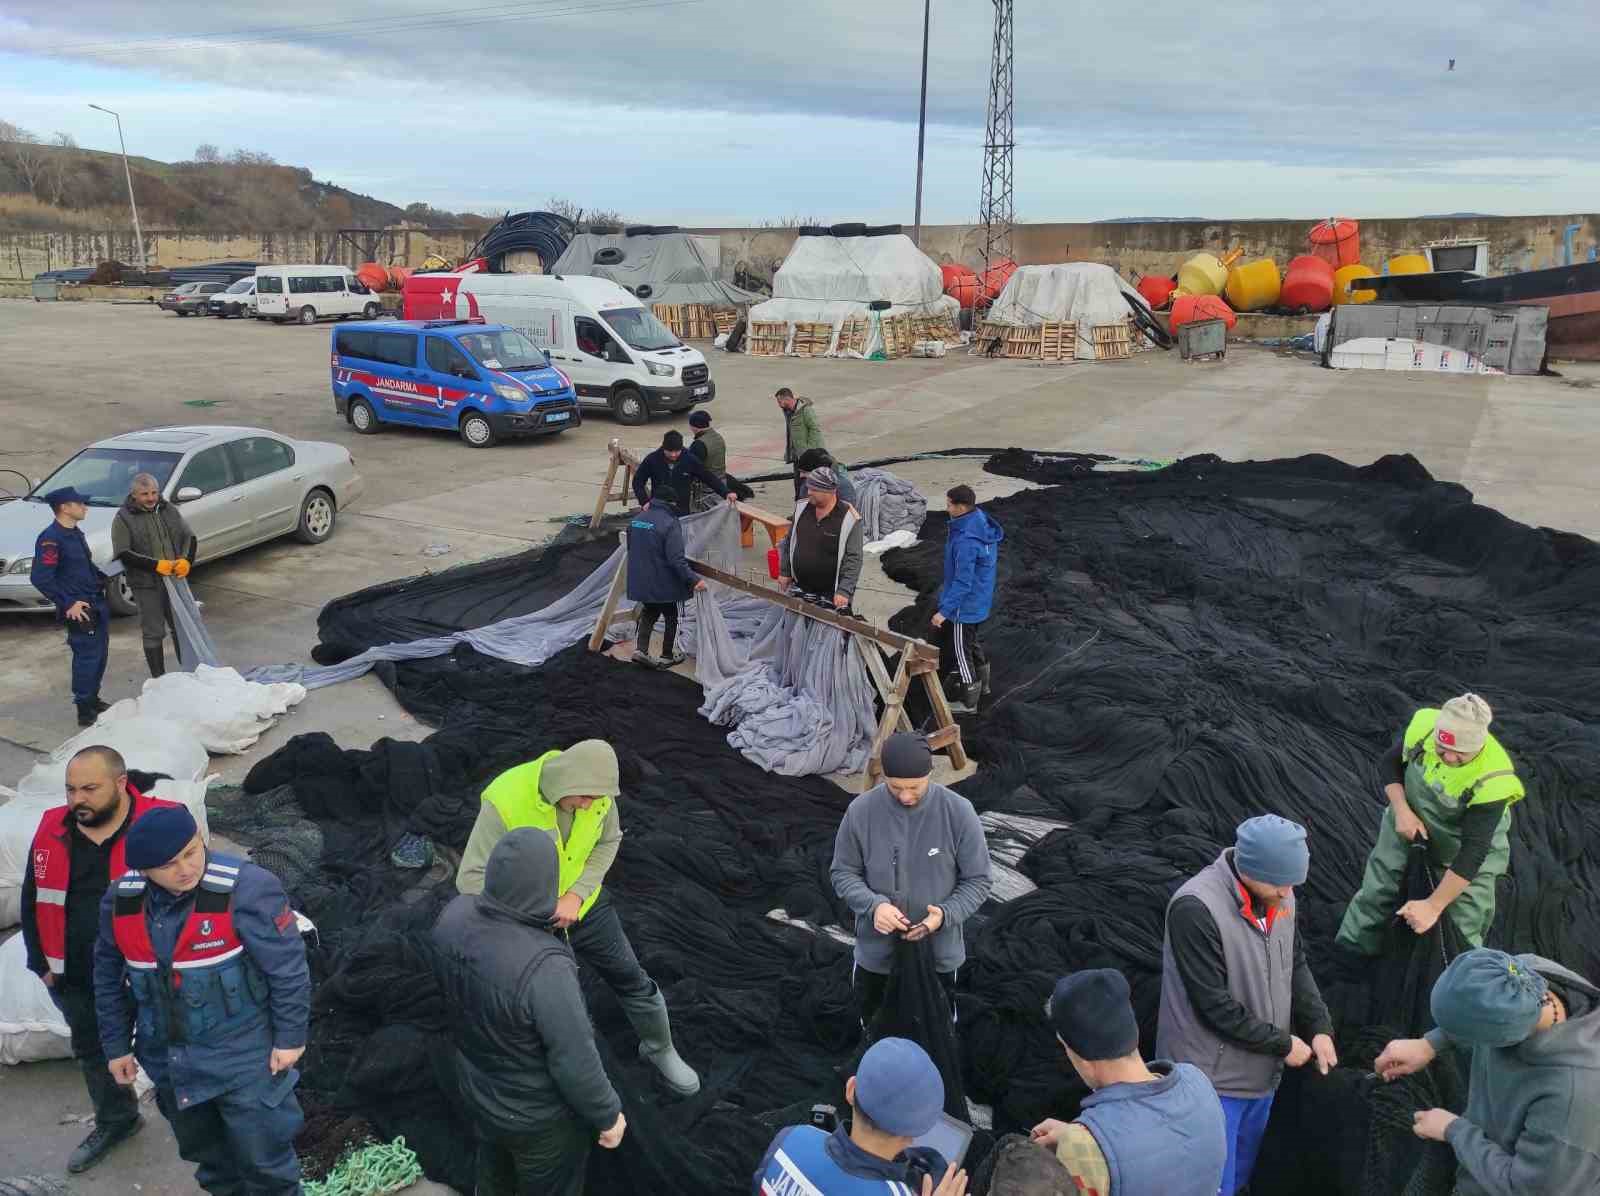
(203, 954)
(970, 555)
(64, 572)
(659, 577)
(666, 475)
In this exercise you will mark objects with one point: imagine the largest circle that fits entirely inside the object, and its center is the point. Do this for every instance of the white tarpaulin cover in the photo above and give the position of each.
(676, 267)
(827, 280)
(1086, 293)
(223, 710)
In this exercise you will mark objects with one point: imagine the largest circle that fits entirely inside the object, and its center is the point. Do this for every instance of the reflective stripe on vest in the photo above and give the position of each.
(515, 795)
(208, 938)
(51, 859)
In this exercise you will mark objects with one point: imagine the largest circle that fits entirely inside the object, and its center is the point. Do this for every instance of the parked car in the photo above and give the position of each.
(192, 298)
(482, 381)
(237, 300)
(311, 293)
(236, 486)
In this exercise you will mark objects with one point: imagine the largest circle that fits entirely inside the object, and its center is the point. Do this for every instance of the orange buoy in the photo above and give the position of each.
(373, 276)
(1156, 289)
(1187, 308)
(398, 276)
(994, 279)
(1336, 241)
(960, 283)
(1307, 284)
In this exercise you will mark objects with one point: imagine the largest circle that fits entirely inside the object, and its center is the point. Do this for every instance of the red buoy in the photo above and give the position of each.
(1307, 284)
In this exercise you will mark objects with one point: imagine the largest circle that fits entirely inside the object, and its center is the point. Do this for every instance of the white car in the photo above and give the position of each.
(235, 486)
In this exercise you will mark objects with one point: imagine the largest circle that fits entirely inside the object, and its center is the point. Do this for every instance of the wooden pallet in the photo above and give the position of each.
(723, 319)
(1112, 342)
(1058, 342)
(898, 337)
(670, 314)
(853, 335)
(989, 331)
(1024, 342)
(935, 328)
(767, 339)
(698, 324)
(812, 340)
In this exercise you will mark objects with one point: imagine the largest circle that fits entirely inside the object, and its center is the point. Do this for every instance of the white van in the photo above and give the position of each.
(620, 358)
(312, 293)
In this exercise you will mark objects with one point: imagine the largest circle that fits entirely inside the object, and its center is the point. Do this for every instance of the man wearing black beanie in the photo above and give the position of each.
(664, 476)
(1143, 1130)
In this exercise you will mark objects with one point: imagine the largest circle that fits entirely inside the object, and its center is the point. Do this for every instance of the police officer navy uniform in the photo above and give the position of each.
(64, 572)
(203, 953)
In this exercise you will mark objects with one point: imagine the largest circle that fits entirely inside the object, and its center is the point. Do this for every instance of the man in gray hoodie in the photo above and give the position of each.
(526, 1070)
(909, 860)
(1533, 1097)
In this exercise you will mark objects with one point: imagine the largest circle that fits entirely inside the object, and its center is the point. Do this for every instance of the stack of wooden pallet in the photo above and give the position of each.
(989, 332)
(812, 340)
(898, 336)
(724, 318)
(938, 327)
(768, 339)
(853, 335)
(690, 321)
(1058, 342)
(1112, 342)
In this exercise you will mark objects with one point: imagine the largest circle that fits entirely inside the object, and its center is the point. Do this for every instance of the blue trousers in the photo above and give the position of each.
(91, 647)
(242, 1142)
(1246, 1123)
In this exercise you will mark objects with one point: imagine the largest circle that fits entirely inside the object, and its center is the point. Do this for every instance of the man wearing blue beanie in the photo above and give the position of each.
(1237, 997)
(1533, 1095)
(222, 1047)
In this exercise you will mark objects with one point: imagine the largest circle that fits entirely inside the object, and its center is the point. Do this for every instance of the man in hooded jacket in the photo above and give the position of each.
(971, 555)
(526, 1069)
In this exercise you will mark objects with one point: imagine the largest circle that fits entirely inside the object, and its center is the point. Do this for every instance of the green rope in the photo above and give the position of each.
(370, 1171)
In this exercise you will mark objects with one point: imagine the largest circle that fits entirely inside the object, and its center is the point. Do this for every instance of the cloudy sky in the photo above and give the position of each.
(735, 111)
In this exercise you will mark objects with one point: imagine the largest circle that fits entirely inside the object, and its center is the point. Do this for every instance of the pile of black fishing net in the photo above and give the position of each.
(1174, 651)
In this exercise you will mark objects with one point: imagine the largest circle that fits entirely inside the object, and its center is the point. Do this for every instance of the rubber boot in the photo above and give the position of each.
(156, 659)
(87, 714)
(983, 679)
(654, 1028)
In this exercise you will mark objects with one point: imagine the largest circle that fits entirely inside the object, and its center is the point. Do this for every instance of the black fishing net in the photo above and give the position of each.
(1174, 651)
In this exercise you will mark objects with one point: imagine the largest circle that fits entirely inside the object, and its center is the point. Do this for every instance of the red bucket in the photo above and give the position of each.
(772, 563)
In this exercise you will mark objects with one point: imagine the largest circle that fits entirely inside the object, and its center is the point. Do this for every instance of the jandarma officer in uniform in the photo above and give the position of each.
(64, 571)
(203, 953)
(1450, 782)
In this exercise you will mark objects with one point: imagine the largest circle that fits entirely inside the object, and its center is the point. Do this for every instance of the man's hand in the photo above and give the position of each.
(701, 584)
(283, 1059)
(49, 979)
(612, 1138)
(1048, 1132)
(1419, 915)
(164, 567)
(1327, 1057)
(1406, 824)
(1404, 1057)
(181, 567)
(78, 612)
(1432, 1123)
(954, 1183)
(733, 499)
(840, 601)
(1299, 1053)
(930, 923)
(124, 1069)
(784, 583)
(938, 619)
(567, 910)
(888, 920)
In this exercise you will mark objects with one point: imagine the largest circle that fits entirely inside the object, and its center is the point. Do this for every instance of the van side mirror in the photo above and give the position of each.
(188, 493)
(614, 352)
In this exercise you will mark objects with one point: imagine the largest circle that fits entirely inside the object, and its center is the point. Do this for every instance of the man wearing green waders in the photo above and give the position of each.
(1452, 783)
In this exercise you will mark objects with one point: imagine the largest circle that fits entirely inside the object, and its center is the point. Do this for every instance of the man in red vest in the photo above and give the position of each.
(77, 851)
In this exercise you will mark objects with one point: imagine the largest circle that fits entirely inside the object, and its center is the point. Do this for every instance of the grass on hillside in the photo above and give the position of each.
(24, 213)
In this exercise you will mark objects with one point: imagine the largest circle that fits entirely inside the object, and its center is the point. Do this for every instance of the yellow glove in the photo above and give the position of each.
(180, 568)
(164, 568)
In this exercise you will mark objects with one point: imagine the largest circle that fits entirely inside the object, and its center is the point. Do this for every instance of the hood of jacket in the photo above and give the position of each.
(1577, 1037)
(976, 525)
(521, 878)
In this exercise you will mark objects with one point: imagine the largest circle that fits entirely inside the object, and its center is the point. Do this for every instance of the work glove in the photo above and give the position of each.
(180, 568)
(164, 567)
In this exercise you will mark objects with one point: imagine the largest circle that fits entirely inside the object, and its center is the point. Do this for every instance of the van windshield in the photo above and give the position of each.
(640, 329)
(507, 349)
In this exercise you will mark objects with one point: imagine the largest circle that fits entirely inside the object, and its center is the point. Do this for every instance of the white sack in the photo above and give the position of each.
(223, 710)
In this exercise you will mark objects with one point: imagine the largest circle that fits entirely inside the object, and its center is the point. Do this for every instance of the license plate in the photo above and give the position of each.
(558, 418)
(701, 390)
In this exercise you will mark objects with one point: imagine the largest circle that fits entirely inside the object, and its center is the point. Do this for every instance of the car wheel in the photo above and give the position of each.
(629, 407)
(362, 418)
(181, 312)
(308, 315)
(120, 597)
(371, 311)
(476, 429)
(317, 517)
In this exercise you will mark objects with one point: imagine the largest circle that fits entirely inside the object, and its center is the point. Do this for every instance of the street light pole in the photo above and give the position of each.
(138, 236)
(922, 119)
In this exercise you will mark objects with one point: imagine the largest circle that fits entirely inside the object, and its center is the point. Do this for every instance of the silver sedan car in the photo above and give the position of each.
(236, 487)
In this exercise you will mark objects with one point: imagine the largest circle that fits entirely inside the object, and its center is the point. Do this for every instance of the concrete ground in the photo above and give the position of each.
(70, 374)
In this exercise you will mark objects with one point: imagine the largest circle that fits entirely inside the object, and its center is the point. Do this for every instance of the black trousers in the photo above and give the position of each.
(600, 943)
(870, 988)
(960, 653)
(242, 1142)
(548, 1159)
(650, 612)
(114, 1105)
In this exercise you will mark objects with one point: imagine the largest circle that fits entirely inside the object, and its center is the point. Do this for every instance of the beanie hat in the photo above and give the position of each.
(1092, 1011)
(1488, 998)
(586, 769)
(899, 1088)
(699, 419)
(822, 480)
(156, 839)
(814, 458)
(672, 441)
(906, 756)
(1272, 850)
(1463, 724)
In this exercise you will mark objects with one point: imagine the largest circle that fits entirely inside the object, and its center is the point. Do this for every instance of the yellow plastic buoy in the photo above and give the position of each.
(1343, 276)
(1408, 263)
(1202, 274)
(1253, 285)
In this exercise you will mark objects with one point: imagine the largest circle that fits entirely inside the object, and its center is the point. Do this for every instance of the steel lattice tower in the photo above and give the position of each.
(997, 208)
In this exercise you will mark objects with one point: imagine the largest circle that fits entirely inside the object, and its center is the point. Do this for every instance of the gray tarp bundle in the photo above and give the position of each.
(887, 503)
(676, 267)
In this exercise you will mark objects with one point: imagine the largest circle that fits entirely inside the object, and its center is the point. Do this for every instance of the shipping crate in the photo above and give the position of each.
(768, 339)
(812, 340)
(1058, 342)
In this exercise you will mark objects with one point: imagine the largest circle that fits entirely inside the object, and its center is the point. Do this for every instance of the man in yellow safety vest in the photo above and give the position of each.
(572, 796)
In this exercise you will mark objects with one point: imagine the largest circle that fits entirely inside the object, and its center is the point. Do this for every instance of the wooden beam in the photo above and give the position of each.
(893, 712)
(943, 717)
(880, 675)
(619, 583)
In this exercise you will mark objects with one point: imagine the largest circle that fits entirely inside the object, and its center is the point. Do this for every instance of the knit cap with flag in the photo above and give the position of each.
(1463, 724)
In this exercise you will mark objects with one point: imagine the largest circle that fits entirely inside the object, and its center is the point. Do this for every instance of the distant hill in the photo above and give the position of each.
(61, 187)
(1156, 220)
